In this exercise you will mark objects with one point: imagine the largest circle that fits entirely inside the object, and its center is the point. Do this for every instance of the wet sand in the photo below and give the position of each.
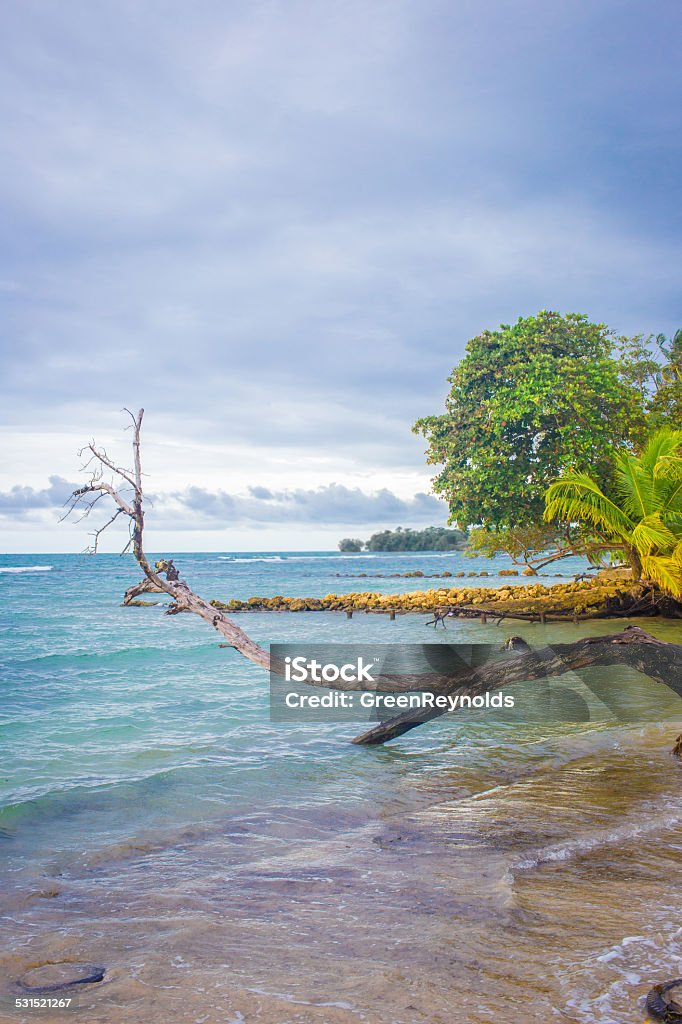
(554, 895)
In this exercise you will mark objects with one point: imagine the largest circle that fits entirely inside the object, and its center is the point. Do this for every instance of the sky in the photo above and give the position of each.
(276, 224)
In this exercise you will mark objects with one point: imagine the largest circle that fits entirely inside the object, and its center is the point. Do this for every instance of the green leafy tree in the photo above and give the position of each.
(351, 544)
(527, 403)
(640, 518)
(433, 538)
(639, 366)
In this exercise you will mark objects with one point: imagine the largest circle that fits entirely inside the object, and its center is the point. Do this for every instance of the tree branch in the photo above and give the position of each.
(185, 599)
(633, 647)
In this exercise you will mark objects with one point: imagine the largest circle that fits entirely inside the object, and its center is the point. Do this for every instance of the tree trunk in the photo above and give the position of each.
(87, 496)
(633, 648)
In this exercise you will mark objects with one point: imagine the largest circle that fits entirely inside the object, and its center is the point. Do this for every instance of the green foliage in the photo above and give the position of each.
(640, 518)
(351, 544)
(528, 403)
(433, 538)
(666, 404)
(532, 546)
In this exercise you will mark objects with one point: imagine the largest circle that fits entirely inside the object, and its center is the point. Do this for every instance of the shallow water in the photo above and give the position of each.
(225, 868)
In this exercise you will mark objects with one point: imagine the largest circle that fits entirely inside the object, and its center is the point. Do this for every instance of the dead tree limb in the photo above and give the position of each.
(125, 489)
(145, 586)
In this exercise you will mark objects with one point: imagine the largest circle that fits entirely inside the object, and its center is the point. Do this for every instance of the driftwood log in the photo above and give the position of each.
(633, 647)
(648, 602)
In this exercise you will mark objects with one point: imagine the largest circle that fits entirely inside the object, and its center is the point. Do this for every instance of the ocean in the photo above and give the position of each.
(226, 868)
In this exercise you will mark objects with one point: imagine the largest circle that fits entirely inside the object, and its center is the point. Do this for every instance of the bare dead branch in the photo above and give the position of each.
(102, 486)
(633, 648)
(163, 577)
(98, 533)
(101, 455)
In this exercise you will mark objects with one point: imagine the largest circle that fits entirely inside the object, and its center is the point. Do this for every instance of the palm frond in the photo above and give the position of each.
(668, 467)
(661, 445)
(576, 497)
(651, 534)
(636, 488)
(673, 499)
(665, 572)
(644, 514)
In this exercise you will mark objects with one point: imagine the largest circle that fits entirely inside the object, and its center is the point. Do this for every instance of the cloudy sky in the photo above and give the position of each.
(275, 225)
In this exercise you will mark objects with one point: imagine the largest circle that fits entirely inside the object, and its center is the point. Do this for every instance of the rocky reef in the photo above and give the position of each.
(606, 594)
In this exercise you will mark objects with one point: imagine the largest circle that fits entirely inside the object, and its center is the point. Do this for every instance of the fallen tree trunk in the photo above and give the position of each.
(633, 648)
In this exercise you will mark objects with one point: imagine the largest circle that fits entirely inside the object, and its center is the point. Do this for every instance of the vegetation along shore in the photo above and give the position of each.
(610, 594)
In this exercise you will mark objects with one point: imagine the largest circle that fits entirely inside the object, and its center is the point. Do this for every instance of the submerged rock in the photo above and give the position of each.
(664, 1002)
(58, 976)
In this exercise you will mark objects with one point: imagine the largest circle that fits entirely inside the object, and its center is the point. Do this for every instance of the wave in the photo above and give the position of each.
(292, 558)
(269, 558)
(655, 822)
(26, 568)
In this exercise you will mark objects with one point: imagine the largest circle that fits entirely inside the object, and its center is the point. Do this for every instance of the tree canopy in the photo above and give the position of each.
(351, 544)
(531, 546)
(527, 403)
(432, 538)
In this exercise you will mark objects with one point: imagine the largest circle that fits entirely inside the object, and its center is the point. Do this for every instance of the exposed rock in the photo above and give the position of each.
(58, 976)
(664, 1002)
(593, 598)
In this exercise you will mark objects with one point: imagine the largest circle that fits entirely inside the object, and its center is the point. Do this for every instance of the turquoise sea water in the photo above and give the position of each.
(138, 756)
(117, 719)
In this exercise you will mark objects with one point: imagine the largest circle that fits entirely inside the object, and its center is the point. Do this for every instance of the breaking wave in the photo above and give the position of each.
(26, 568)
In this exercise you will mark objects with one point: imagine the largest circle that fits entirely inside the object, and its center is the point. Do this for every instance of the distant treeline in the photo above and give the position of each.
(433, 538)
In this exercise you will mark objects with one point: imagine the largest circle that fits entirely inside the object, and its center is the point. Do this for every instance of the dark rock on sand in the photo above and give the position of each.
(664, 1002)
(55, 977)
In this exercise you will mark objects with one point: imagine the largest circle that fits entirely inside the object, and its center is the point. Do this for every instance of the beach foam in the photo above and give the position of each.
(26, 568)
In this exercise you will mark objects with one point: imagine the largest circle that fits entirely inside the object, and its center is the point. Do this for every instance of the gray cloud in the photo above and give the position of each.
(278, 223)
(267, 198)
(22, 500)
(327, 505)
(197, 507)
(261, 492)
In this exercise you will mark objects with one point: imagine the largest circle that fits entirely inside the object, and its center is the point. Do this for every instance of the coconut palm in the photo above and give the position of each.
(641, 518)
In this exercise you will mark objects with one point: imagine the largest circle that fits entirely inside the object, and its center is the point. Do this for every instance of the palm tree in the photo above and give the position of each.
(641, 520)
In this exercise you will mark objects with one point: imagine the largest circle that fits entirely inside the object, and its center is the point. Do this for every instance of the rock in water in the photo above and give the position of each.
(54, 977)
(664, 1002)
